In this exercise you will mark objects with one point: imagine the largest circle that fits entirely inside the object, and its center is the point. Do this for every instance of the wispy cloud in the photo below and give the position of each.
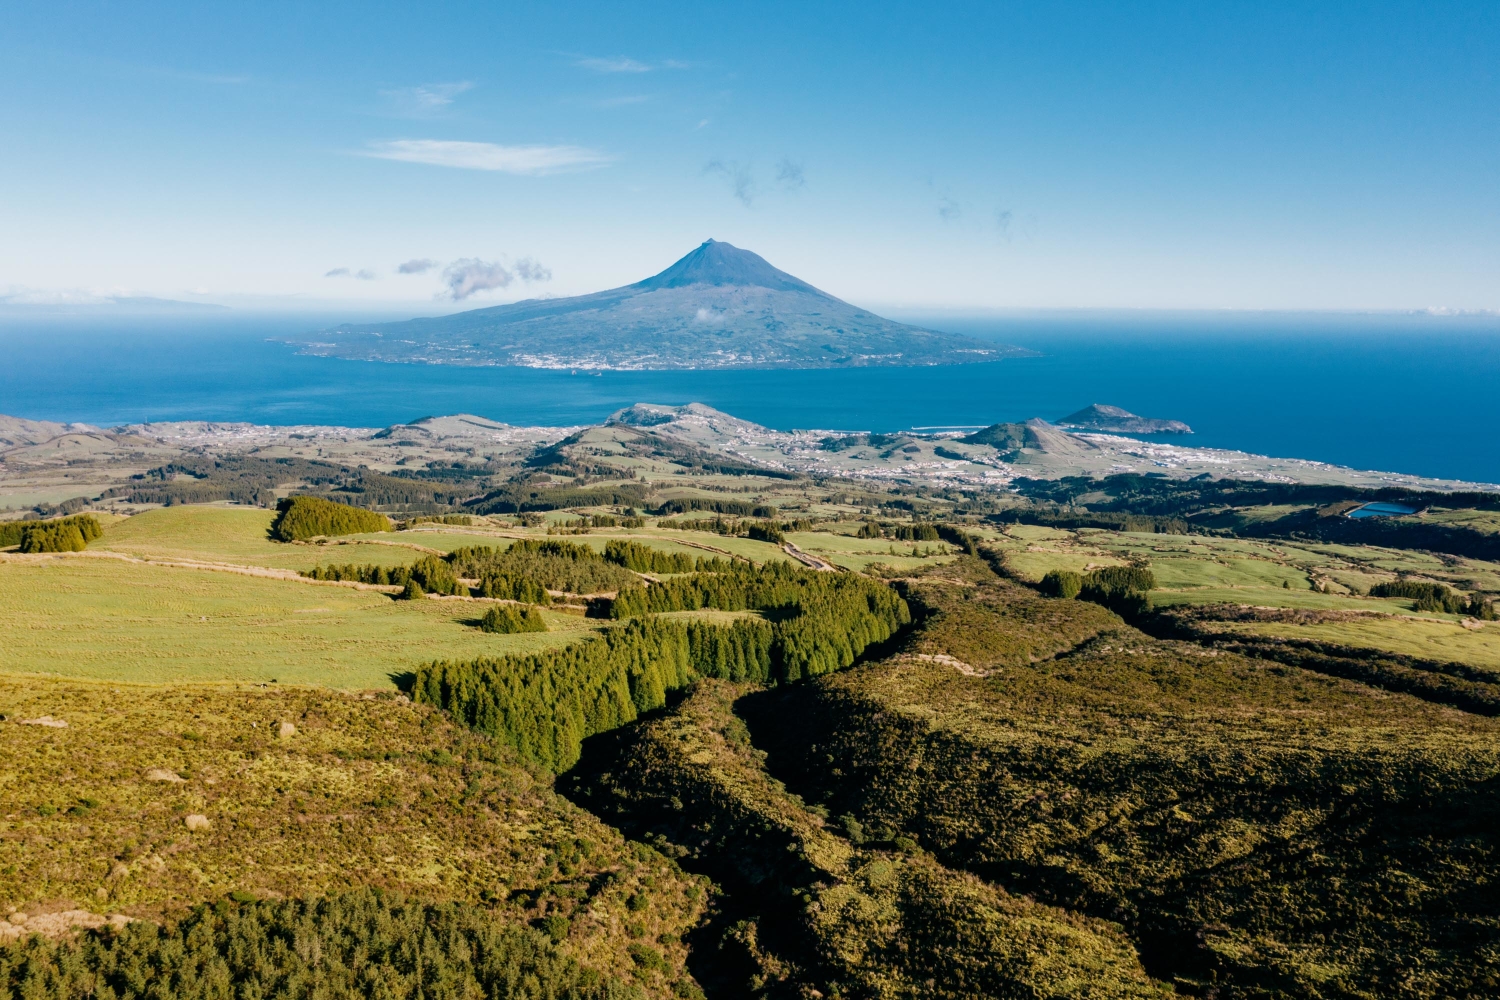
(740, 177)
(486, 155)
(1003, 219)
(363, 274)
(747, 183)
(425, 99)
(417, 265)
(530, 269)
(948, 209)
(625, 64)
(612, 64)
(470, 275)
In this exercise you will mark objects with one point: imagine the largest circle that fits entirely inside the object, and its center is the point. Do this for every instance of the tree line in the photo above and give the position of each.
(545, 704)
(1437, 597)
(431, 574)
(66, 534)
(363, 944)
(1122, 589)
(738, 508)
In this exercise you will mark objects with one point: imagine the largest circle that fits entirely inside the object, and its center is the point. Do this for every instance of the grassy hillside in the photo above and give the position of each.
(113, 620)
(356, 792)
(1257, 829)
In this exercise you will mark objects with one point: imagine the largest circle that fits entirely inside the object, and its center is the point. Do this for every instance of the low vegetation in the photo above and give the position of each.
(296, 794)
(1257, 829)
(850, 913)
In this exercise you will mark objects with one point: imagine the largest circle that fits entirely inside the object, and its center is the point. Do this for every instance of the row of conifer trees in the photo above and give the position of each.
(545, 704)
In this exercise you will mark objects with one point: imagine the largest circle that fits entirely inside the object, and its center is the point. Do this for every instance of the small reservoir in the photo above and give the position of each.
(1382, 510)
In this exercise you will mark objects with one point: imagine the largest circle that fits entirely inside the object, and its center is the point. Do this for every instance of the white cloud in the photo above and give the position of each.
(486, 155)
(425, 99)
(469, 275)
(364, 274)
(417, 265)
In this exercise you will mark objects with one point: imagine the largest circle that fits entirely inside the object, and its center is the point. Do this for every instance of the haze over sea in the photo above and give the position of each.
(1403, 393)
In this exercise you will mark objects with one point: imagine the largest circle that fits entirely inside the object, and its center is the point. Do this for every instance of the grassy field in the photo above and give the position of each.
(1212, 564)
(842, 548)
(233, 534)
(1427, 637)
(361, 792)
(1275, 597)
(108, 619)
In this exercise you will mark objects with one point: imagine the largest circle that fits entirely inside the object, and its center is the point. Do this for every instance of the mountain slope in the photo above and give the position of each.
(717, 307)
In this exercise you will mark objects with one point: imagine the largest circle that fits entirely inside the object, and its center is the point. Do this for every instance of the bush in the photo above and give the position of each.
(509, 618)
(1062, 583)
(67, 534)
(302, 517)
(1482, 609)
(413, 591)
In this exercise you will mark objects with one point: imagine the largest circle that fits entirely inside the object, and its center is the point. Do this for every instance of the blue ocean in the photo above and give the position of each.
(1417, 394)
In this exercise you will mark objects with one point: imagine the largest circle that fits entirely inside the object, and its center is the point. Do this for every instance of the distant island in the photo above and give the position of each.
(717, 307)
(1100, 417)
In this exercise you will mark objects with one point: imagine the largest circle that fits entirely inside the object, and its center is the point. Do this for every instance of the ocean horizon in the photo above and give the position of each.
(1398, 393)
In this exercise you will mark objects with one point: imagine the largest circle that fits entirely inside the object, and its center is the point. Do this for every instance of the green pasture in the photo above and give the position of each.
(108, 619)
(1429, 638)
(853, 553)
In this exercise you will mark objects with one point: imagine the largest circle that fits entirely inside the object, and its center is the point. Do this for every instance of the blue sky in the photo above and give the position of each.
(1192, 155)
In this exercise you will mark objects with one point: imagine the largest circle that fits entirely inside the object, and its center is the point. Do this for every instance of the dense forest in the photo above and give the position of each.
(360, 945)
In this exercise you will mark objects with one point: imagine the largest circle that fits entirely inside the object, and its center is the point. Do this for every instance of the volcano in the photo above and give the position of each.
(717, 307)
